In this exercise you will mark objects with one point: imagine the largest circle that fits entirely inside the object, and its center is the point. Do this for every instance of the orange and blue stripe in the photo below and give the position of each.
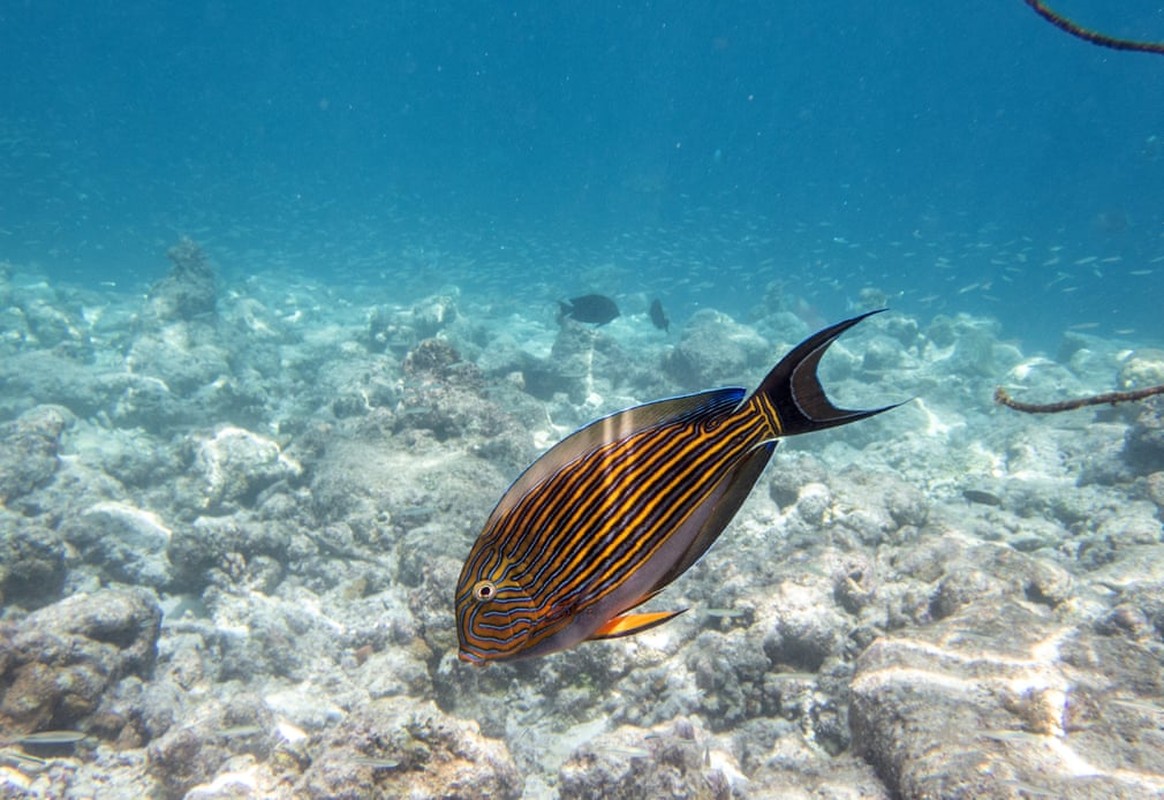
(616, 511)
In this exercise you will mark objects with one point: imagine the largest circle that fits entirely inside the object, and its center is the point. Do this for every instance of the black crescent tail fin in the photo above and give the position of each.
(793, 389)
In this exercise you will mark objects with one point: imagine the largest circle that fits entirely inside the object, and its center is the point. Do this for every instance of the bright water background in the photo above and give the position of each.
(955, 156)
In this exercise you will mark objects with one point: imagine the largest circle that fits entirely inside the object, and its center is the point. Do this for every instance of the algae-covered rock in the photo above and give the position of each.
(62, 659)
(398, 747)
(1154, 484)
(807, 628)
(1144, 367)
(1002, 699)
(32, 562)
(397, 330)
(128, 543)
(190, 290)
(672, 760)
(715, 350)
(570, 368)
(232, 465)
(29, 448)
(54, 326)
(203, 748)
(184, 356)
(796, 470)
(1144, 442)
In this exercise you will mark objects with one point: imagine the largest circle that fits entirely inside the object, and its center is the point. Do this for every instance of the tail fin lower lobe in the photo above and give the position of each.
(793, 388)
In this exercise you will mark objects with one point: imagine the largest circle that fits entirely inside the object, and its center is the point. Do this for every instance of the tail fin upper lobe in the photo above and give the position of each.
(793, 388)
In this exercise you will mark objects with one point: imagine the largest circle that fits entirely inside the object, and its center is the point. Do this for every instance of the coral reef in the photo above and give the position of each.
(232, 516)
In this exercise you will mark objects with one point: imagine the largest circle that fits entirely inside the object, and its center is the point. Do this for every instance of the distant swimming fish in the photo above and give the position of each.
(725, 613)
(982, 497)
(376, 763)
(593, 308)
(240, 731)
(52, 738)
(659, 317)
(617, 510)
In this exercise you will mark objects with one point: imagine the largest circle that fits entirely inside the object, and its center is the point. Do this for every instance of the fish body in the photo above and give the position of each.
(48, 738)
(659, 317)
(613, 513)
(596, 309)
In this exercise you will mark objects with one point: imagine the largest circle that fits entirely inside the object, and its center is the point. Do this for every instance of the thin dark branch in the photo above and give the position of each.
(1110, 398)
(1088, 35)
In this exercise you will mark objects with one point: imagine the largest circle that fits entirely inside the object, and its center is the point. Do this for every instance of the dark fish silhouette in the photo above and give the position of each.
(593, 308)
(613, 513)
(659, 317)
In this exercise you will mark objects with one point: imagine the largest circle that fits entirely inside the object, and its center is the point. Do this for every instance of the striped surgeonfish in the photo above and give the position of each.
(610, 515)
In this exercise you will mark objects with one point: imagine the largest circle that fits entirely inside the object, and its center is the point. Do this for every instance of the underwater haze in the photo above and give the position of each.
(290, 293)
(969, 151)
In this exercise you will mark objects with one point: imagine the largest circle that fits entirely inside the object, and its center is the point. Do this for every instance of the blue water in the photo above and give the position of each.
(953, 156)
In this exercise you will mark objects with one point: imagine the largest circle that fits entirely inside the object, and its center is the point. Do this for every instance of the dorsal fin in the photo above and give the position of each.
(618, 425)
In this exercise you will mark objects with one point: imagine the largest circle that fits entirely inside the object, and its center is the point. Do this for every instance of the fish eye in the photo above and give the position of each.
(484, 590)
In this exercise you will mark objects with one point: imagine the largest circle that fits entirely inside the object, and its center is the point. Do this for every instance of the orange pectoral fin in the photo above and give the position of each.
(627, 624)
